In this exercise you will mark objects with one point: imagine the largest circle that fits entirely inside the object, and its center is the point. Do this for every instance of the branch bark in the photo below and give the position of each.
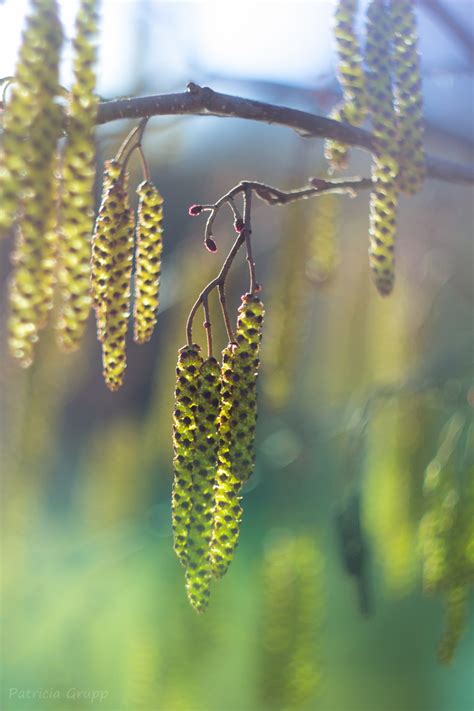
(203, 101)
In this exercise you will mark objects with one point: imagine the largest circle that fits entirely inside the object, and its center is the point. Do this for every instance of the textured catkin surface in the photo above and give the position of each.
(31, 122)
(408, 96)
(77, 190)
(185, 412)
(384, 197)
(147, 260)
(237, 421)
(351, 78)
(112, 257)
(31, 128)
(198, 572)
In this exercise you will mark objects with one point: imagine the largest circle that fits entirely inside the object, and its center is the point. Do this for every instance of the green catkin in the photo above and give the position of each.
(184, 430)
(288, 297)
(351, 78)
(447, 529)
(31, 121)
(111, 271)
(323, 250)
(198, 572)
(237, 421)
(31, 289)
(27, 176)
(147, 260)
(77, 208)
(384, 197)
(408, 96)
(290, 675)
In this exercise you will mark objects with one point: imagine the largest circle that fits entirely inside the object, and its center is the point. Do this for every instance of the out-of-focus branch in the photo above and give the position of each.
(457, 28)
(203, 101)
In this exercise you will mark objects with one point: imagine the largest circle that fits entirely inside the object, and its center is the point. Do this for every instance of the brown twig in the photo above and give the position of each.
(207, 325)
(218, 283)
(248, 236)
(202, 101)
(271, 196)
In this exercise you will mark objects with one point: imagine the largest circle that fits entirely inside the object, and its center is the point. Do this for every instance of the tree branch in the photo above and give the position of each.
(202, 101)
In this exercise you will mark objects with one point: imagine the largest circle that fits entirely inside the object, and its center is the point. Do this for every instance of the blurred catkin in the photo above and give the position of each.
(31, 121)
(77, 190)
(292, 611)
(237, 422)
(408, 96)
(31, 128)
(287, 299)
(147, 260)
(353, 108)
(389, 492)
(447, 528)
(384, 197)
(323, 254)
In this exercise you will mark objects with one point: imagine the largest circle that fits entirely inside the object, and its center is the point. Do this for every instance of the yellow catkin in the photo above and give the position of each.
(351, 78)
(290, 675)
(184, 429)
(31, 128)
(408, 96)
(31, 121)
(198, 572)
(447, 529)
(111, 271)
(147, 260)
(383, 198)
(78, 170)
(237, 421)
(31, 292)
(323, 255)
(389, 488)
(288, 296)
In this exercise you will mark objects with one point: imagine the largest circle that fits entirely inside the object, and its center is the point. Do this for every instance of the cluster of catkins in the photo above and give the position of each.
(388, 88)
(213, 434)
(112, 262)
(47, 197)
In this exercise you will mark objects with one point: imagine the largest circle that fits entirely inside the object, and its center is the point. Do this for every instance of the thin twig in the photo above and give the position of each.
(271, 196)
(248, 236)
(202, 101)
(207, 325)
(218, 283)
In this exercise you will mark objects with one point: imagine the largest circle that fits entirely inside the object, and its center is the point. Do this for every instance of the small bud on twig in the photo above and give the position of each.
(195, 210)
(211, 246)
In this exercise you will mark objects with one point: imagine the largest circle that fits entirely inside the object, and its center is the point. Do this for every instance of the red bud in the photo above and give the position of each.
(210, 245)
(195, 210)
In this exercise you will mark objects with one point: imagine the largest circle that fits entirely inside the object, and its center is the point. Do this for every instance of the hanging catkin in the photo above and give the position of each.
(184, 430)
(383, 198)
(31, 289)
(351, 78)
(237, 420)
(77, 199)
(447, 528)
(147, 260)
(408, 96)
(112, 254)
(323, 252)
(31, 121)
(31, 130)
(198, 572)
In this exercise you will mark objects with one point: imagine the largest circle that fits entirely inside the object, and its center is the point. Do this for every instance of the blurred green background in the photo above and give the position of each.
(355, 395)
